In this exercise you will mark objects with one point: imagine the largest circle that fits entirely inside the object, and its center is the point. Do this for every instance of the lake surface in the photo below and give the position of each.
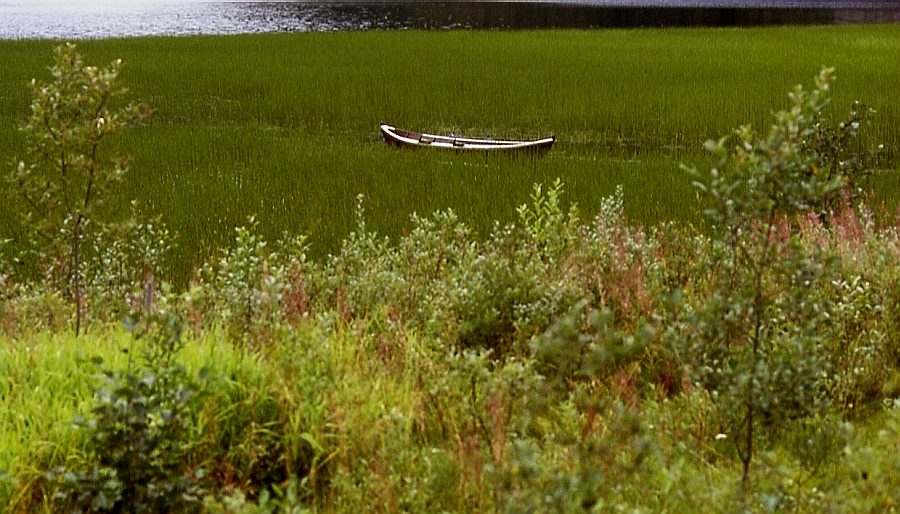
(75, 19)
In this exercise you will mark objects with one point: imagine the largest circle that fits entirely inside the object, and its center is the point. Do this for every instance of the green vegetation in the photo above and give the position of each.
(284, 127)
(552, 368)
(554, 363)
(67, 175)
(761, 346)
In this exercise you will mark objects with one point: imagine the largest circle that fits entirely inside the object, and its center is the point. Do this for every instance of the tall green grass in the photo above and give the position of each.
(284, 127)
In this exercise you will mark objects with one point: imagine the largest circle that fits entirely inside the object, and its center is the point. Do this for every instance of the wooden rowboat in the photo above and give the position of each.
(405, 138)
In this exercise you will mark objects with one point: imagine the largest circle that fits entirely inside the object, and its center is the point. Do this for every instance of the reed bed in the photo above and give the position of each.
(284, 126)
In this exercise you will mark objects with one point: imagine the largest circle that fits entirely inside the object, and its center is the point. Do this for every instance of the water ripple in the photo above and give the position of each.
(98, 19)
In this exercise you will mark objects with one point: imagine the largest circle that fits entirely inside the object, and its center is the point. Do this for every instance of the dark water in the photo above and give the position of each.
(110, 18)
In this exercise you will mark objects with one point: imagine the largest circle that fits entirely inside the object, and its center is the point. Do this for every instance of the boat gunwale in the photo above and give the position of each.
(420, 139)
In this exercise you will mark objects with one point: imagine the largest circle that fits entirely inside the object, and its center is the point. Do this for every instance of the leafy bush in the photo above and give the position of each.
(66, 178)
(129, 261)
(483, 294)
(251, 288)
(546, 225)
(138, 436)
(586, 344)
(757, 342)
(282, 500)
(600, 446)
(34, 306)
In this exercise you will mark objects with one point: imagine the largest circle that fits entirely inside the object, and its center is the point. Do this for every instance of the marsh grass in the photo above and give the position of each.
(284, 127)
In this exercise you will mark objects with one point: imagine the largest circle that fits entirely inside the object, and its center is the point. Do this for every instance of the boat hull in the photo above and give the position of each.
(407, 139)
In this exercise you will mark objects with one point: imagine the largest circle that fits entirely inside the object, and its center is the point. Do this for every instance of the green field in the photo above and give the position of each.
(284, 127)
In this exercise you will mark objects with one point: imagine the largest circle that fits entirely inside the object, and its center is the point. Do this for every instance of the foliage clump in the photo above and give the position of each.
(759, 340)
(137, 434)
(66, 179)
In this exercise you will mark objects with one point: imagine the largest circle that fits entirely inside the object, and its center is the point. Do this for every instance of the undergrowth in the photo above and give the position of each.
(446, 373)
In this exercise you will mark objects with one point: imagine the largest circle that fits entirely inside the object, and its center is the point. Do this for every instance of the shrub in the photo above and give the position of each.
(137, 436)
(66, 178)
(364, 276)
(128, 262)
(585, 345)
(757, 342)
(599, 450)
(252, 288)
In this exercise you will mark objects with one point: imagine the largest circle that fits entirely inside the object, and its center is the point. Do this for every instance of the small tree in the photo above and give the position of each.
(65, 177)
(756, 340)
